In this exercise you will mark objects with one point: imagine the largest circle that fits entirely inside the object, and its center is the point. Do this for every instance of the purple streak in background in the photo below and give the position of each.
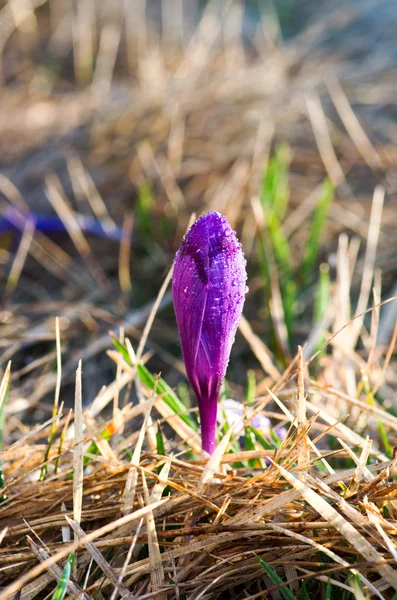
(208, 288)
(14, 221)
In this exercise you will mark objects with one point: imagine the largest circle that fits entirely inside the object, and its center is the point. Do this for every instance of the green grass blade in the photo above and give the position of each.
(288, 298)
(322, 295)
(280, 245)
(284, 266)
(262, 440)
(276, 579)
(160, 441)
(249, 444)
(122, 349)
(251, 387)
(144, 208)
(275, 192)
(303, 592)
(275, 438)
(287, 286)
(62, 587)
(328, 590)
(316, 229)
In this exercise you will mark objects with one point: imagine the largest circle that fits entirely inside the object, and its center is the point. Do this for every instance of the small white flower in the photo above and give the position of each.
(234, 414)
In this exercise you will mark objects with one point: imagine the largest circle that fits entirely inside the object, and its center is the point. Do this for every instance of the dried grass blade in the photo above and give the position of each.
(157, 569)
(79, 174)
(369, 259)
(55, 571)
(345, 528)
(132, 477)
(3, 533)
(98, 557)
(5, 382)
(149, 322)
(303, 451)
(186, 433)
(361, 464)
(308, 424)
(353, 437)
(20, 258)
(53, 431)
(325, 550)
(376, 520)
(125, 254)
(127, 560)
(260, 350)
(105, 62)
(78, 451)
(323, 140)
(65, 212)
(33, 589)
(214, 462)
(16, 585)
(162, 482)
(353, 125)
(386, 362)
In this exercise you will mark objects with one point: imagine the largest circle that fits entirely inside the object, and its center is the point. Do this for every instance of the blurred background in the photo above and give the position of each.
(120, 119)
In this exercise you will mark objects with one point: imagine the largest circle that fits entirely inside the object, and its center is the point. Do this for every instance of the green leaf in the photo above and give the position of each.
(276, 579)
(160, 441)
(262, 440)
(249, 444)
(61, 589)
(167, 394)
(316, 229)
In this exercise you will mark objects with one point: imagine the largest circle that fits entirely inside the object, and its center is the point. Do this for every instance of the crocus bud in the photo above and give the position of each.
(208, 288)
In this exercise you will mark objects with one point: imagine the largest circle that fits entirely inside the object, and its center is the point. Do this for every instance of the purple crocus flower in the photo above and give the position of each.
(208, 288)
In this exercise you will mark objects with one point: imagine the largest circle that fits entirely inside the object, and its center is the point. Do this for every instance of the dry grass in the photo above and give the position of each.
(202, 527)
(95, 106)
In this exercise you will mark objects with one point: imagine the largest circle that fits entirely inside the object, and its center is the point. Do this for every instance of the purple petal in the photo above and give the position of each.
(208, 291)
(261, 423)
